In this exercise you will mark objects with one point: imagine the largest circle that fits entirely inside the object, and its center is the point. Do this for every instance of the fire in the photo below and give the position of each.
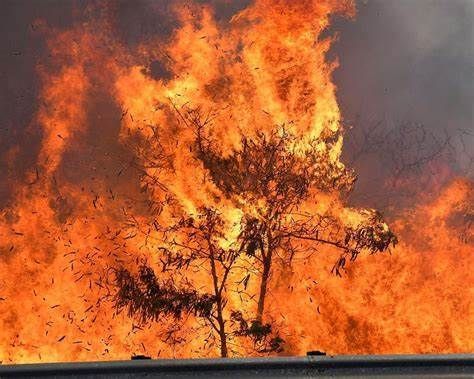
(401, 303)
(104, 189)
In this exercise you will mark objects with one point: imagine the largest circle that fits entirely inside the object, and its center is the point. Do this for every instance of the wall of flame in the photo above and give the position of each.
(70, 218)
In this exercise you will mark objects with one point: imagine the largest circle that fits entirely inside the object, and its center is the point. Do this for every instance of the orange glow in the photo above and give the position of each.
(69, 223)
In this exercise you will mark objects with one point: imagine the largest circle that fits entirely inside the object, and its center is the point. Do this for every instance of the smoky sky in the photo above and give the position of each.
(409, 60)
(406, 73)
(407, 67)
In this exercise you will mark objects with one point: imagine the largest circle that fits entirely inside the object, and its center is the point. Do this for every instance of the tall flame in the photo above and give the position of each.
(76, 213)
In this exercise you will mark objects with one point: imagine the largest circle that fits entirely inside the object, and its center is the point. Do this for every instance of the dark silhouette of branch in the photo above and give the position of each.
(273, 175)
(148, 299)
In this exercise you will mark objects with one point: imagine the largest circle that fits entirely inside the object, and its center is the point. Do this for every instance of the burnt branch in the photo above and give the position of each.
(147, 299)
(269, 178)
(261, 334)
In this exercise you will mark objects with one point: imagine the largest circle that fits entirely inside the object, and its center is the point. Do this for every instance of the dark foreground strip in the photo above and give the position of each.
(419, 366)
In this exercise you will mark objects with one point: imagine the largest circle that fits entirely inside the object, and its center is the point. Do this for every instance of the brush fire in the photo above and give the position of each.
(189, 198)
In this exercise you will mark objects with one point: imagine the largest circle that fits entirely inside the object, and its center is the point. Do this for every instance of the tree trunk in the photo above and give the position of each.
(220, 317)
(222, 334)
(267, 263)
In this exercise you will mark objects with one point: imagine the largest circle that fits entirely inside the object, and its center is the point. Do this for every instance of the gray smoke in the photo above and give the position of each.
(407, 67)
(405, 80)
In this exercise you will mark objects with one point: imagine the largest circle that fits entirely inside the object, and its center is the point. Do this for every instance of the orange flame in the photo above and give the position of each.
(71, 220)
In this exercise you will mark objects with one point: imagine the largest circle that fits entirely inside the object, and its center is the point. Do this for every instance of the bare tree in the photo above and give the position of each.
(403, 159)
(273, 167)
(191, 244)
(277, 176)
(191, 241)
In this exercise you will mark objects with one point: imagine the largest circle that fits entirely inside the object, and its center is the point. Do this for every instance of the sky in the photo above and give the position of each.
(405, 83)
(407, 68)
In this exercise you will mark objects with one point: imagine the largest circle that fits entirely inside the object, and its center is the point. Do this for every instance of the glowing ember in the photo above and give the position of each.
(211, 204)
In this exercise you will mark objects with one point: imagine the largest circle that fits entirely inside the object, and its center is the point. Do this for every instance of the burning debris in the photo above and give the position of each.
(273, 182)
(204, 213)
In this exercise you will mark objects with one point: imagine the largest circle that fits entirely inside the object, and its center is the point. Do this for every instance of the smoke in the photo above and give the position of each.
(403, 85)
(407, 63)
(22, 46)
(401, 63)
(23, 25)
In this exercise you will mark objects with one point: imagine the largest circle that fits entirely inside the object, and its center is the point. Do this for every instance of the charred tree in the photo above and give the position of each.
(278, 174)
(192, 242)
(275, 180)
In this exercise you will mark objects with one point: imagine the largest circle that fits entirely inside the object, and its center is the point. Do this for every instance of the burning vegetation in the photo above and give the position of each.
(188, 199)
